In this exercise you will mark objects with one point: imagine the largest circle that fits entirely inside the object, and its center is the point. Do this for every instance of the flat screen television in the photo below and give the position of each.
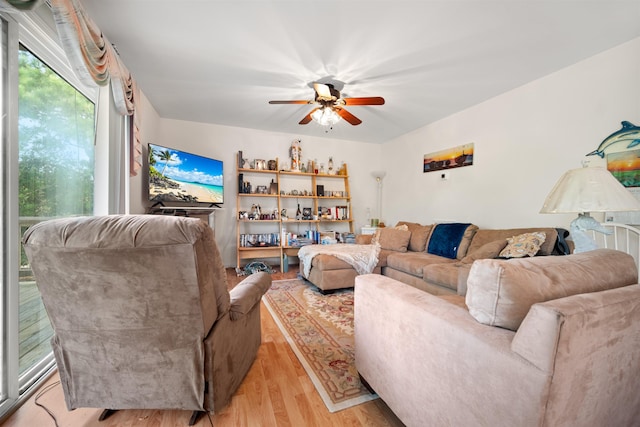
(178, 177)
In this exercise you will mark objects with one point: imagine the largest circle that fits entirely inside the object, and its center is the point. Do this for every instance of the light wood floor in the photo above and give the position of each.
(276, 392)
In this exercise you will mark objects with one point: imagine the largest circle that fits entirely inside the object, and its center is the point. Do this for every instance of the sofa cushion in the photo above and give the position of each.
(413, 262)
(488, 250)
(364, 239)
(329, 262)
(449, 239)
(445, 275)
(382, 257)
(527, 244)
(463, 276)
(484, 236)
(394, 239)
(465, 243)
(500, 292)
(457, 300)
(419, 235)
(376, 236)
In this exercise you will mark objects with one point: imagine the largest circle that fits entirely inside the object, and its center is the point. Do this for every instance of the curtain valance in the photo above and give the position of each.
(94, 59)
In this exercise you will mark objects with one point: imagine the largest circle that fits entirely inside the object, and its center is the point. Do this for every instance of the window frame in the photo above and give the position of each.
(35, 30)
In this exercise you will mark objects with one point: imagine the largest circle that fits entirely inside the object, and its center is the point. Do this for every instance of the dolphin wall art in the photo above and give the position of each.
(629, 133)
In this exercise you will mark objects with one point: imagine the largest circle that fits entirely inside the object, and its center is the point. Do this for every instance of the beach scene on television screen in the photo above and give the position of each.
(177, 176)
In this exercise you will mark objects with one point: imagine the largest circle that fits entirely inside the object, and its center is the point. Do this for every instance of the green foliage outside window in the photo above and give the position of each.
(56, 145)
(56, 134)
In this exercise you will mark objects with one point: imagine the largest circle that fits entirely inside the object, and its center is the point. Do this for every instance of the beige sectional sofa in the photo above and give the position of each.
(542, 341)
(405, 256)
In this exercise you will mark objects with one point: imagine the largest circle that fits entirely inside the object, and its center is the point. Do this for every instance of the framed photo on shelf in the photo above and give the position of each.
(306, 213)
(261, 189)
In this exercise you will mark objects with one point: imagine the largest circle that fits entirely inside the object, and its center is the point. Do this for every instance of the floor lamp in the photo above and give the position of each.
(378, 175)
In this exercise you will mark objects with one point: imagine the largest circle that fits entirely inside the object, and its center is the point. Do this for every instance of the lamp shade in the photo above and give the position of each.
(589, 190)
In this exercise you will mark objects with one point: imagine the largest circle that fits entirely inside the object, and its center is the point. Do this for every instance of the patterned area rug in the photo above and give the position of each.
(319, 329)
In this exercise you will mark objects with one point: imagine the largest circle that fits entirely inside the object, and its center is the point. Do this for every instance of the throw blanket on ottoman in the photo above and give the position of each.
(363, 258)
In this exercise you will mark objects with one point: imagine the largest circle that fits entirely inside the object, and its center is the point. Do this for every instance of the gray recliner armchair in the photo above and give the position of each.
(141, 314)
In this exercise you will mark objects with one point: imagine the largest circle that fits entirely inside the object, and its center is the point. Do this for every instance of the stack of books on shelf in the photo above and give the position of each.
(349, 238)
(259, 240)
(296, 241)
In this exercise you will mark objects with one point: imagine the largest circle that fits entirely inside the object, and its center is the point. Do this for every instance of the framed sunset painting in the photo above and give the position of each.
(455, 157)
(625, 166)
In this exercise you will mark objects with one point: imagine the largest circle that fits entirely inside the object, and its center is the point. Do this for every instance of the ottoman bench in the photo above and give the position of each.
(329, 273)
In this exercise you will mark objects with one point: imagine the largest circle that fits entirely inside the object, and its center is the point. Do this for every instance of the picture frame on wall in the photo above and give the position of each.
(455, 157)
(625, 167)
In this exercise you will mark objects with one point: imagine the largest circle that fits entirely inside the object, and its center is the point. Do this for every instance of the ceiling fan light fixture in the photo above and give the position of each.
(330, 106)
(325, 116)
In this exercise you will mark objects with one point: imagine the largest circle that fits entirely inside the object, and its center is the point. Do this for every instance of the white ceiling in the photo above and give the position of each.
(220, 62)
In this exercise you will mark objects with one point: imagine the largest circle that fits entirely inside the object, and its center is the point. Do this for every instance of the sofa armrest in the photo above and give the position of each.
(248, 293)
(537, 337)
(590, 345)
(589, 316)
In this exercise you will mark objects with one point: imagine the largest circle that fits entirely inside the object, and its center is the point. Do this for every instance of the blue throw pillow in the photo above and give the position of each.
(445, 239)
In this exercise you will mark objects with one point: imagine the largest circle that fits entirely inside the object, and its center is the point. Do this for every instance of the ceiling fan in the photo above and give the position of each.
(330, 106)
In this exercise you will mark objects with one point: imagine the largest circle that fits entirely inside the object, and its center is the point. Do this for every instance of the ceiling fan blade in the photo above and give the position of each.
(307, 118)
(370, 100)
(291, 102)
(322, 90)
(348, 116)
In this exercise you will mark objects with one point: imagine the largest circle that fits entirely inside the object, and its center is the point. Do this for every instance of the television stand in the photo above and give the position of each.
(162, 206)
(200, 212)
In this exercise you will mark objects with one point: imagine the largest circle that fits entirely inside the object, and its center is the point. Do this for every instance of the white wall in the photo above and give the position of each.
(524, 140)
(223, 143)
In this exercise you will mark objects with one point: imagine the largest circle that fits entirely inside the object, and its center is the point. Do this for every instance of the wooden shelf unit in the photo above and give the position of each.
(283, 200)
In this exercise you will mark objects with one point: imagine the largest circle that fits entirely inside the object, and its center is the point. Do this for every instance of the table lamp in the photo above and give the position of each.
(586, 190)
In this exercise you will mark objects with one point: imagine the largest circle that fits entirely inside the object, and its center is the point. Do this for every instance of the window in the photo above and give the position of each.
(55, 166)
(48, 170)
